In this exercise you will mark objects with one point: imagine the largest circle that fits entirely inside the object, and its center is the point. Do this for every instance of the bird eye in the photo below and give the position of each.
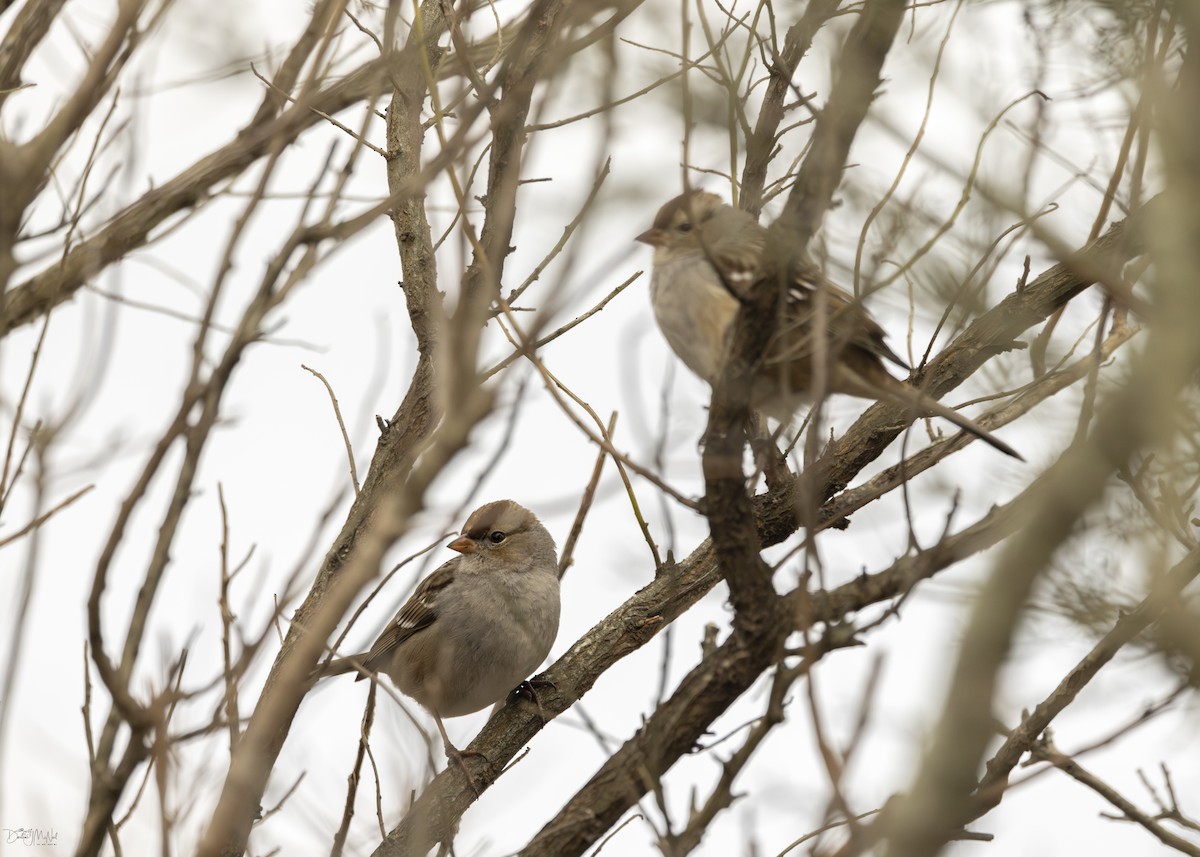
(496, 536)
(684, 227)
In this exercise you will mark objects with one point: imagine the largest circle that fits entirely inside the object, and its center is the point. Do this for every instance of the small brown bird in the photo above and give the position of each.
(477, 626)
(706, 252)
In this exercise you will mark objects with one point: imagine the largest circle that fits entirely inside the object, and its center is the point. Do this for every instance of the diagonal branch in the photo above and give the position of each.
(1164, 595)
(1141, 414)
(723, 676)
(995, 331)
(29, 26)
(856, 78)
(761, 144)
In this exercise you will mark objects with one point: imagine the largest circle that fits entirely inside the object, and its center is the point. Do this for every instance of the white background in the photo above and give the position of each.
(280, 461)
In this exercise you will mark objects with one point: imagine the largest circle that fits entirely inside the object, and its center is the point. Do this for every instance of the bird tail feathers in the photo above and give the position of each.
(909, 397)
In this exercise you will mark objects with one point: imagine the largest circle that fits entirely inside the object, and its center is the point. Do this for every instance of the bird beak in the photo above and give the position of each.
(463, 545)
(654, 237)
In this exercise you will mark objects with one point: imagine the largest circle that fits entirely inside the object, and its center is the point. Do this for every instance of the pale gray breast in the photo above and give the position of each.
(512, 635)
(694, 311)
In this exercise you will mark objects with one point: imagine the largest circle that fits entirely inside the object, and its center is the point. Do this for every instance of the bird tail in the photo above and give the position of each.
(909, 397)
(341, 666)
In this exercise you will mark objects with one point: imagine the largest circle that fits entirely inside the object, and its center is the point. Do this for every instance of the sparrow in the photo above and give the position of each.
(707, 254)
(476, 627)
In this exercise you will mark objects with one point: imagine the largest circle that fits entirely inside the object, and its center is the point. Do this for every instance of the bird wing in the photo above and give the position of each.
(418, 613)
(737, 256)
(847, 323)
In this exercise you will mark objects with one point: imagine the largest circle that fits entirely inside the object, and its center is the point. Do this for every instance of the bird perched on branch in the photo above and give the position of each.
(476, 627)
(706, 256)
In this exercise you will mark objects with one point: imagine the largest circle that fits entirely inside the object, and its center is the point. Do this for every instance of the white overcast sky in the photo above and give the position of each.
(280, 461)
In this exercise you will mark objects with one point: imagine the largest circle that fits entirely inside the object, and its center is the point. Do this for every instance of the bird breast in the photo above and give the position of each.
(494, 635)
(694, 311)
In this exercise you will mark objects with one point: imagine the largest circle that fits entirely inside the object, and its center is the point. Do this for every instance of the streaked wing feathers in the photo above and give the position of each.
(847, 323)
(418, 613)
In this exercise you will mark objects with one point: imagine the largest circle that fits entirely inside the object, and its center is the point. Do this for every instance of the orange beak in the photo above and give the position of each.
(654, 237)
(463, 545)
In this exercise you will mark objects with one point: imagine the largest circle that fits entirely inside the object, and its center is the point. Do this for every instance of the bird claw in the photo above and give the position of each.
(453, 754)
(529, 689)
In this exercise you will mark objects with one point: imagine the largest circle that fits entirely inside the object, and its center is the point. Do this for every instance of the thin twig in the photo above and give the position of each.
(337, 412)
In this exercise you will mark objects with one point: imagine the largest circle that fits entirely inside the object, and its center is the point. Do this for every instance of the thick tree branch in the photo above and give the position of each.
(856, 77)
(29, 26)
(761, 145)
(720, 678)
